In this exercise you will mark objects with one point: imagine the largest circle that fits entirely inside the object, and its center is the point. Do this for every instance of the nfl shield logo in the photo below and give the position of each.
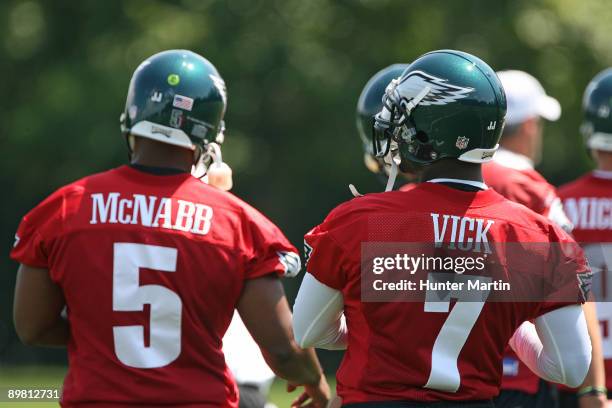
(462, 142)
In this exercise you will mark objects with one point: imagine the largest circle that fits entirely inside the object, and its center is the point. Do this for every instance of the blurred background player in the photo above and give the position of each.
(588, 203)
(150, 262)
(368, 105)
(445, 114)
(243, 357)
(512, 174)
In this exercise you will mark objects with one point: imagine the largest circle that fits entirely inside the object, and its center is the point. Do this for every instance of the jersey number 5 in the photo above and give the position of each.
(129, 296)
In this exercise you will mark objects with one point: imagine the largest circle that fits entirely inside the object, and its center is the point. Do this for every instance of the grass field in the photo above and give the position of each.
(32, 377)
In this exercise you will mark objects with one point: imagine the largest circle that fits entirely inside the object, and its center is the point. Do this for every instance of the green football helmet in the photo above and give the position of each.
(370, 102)
(176, 97)
(597, 106)
(447, 104)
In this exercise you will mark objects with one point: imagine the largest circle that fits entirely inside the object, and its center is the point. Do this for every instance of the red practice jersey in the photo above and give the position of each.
(527, 186)
(151, 268)
(405, 350)
(588, 204)
(514, 177)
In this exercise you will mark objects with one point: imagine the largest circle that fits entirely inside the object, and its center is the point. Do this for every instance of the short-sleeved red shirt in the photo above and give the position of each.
(390, 344)
(151, 268)
(588, 203)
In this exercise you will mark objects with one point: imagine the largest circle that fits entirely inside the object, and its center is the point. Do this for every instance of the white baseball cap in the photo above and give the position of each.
(526, 98)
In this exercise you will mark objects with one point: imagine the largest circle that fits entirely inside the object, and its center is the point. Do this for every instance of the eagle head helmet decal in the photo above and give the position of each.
(441, 91)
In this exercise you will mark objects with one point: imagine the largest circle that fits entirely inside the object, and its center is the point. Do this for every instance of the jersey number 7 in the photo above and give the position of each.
(444, 374)
(129, 296)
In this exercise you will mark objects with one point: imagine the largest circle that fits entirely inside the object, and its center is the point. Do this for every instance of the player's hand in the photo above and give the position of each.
(314, 395)
(593, 401)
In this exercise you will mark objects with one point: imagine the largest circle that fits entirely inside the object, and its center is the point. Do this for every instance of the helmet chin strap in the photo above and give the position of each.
(131, 142)
(391, 179)
(385, 117)
(392, 176)
(198, 170)
(407, 110)
(354, 191)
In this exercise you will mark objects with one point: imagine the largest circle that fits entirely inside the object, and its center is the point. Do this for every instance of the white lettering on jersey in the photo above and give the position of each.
(143, 210)
(151, 211)
(101, 208)
(164, 211)
(122, 217)
(462, 232)
(184, 216)
(589, 212)
(203, 216)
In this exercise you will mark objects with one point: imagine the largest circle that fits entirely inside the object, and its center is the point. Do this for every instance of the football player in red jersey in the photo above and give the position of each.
(512, 174)
(368, 105)
(150, 262)
(587, 202)
(445, 113)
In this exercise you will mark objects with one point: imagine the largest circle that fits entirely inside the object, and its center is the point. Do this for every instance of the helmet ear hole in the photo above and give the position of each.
(422, 136)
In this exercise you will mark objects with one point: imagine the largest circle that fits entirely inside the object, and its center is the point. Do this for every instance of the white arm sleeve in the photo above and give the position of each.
(317, 316)
(557, 348)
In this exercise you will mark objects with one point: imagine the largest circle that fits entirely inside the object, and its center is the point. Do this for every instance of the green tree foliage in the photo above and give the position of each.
(294, 70)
